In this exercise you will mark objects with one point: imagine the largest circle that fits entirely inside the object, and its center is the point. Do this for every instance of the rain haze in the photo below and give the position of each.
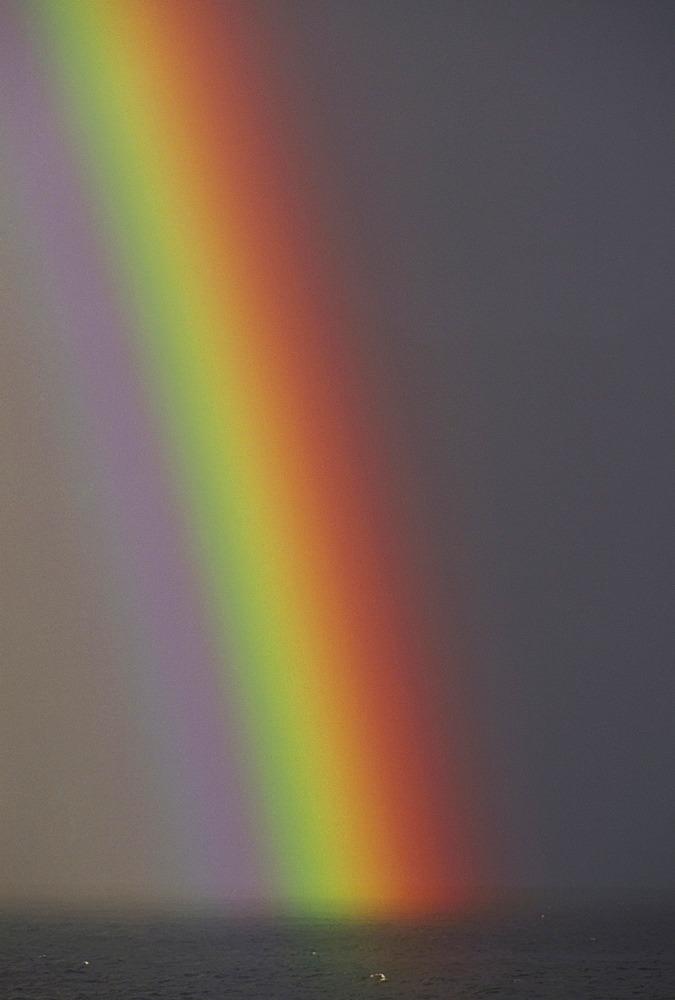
(498, 180)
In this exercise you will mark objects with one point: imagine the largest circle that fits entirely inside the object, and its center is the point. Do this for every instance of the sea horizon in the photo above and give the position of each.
(546, 944)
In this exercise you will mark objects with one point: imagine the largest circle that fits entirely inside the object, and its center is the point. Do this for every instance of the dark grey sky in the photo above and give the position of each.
(506, 169)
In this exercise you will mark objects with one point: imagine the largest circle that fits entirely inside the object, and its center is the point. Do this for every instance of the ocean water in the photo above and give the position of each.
(606, 950)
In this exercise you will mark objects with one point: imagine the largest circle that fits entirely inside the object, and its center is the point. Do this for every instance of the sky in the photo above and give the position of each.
(497, 178)
(509, 171)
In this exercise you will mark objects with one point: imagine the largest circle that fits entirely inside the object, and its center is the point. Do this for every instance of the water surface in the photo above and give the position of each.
(607, 950)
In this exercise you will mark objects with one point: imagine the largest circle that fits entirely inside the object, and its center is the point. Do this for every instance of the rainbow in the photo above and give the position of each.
(246, 511)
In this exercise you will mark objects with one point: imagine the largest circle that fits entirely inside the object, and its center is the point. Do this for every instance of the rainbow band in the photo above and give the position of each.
(232, 356)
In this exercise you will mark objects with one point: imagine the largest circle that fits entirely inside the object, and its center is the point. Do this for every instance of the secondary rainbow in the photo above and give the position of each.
(249, 503)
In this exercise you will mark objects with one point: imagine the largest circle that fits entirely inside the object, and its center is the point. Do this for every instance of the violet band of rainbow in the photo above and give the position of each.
(137, 513)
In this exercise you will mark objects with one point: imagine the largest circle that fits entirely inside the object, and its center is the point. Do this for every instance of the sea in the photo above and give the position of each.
(606, 949)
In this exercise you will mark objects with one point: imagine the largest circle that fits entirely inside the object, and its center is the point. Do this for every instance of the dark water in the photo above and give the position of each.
(617, 949)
